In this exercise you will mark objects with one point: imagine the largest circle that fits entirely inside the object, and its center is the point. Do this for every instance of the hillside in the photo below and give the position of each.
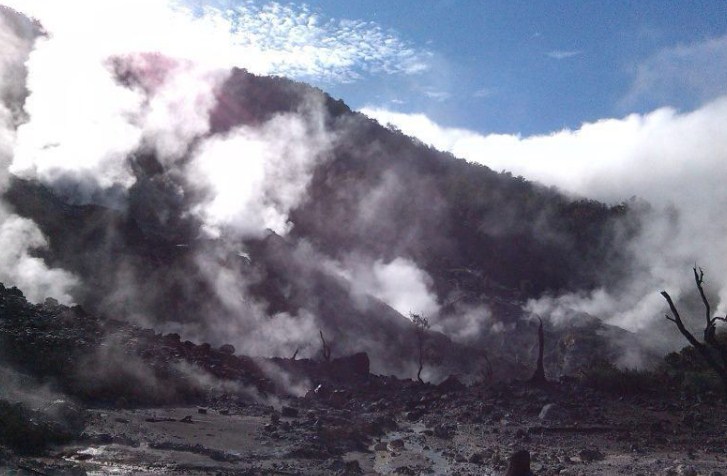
(483, 238)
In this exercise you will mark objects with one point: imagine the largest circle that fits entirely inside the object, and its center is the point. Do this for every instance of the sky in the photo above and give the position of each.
(516, 67)
(532, 67)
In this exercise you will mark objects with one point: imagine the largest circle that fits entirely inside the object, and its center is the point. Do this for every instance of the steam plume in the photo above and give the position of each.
(675, 161)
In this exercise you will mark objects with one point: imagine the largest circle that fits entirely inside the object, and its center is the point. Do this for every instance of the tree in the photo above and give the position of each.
(711, 350)
(421, 326)
(539, 375)
(325, 348)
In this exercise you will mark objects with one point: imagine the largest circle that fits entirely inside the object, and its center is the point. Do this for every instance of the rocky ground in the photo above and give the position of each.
(389, 426)
(81, 395)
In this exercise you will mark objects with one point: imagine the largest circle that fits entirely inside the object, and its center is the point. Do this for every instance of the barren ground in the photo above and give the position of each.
(389, 426)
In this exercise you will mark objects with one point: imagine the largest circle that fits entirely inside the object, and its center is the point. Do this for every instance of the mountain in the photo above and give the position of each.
(479, 243)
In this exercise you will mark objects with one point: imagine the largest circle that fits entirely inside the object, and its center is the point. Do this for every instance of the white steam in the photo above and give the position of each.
(676, 161)
(399, 283)
(258, 174)
(19, 237)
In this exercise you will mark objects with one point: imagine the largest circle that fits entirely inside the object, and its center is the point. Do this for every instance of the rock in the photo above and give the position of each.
(289, 412)
(406, 470)
(590, 455)
(521, 434)
(684, 470)
(187, 419)
(227, 349)
(519, 464)
(30, 431)
(414, 415)
(681, 470)
(445, 432)
(201, 410)
(352, 365)
(396, 445)
(173, 338)
(477, 458)
(451, 384)
(348, 467)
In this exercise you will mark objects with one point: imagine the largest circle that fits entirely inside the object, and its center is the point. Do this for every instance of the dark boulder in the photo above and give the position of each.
(352, 365)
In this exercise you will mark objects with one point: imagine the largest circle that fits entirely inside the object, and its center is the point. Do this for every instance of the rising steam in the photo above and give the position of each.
(674, 161)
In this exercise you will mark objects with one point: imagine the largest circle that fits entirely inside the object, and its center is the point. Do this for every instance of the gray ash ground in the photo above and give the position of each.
(88, 396)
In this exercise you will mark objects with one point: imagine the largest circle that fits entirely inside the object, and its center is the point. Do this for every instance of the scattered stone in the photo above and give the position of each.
(352, 467)
(446, 432)
(590, 455)
(381, 446)
(406, 470)
(681, 470)
(396, 445)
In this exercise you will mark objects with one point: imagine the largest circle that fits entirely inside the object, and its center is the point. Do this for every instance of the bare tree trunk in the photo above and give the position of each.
(421, 360)
(326, 348)
(539, 375)
(711, 348)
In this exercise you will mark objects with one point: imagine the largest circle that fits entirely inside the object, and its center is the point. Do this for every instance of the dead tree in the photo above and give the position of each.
(421, 326)
(712, 351)
(487, 373)
(538, 377)
(325, 348)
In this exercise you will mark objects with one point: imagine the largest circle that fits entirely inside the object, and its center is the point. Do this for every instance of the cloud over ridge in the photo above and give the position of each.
(675, 161)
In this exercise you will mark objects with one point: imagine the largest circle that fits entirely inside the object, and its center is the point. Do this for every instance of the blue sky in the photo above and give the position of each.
(528, 67)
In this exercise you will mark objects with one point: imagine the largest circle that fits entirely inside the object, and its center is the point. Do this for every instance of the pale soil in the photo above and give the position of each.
(469, 431)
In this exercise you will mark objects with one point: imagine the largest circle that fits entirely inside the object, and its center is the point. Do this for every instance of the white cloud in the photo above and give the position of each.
(437, 95)
(484, 93)
(675, 161)
(562, 54)
(684, 74)
(267, 38)
(610, 159)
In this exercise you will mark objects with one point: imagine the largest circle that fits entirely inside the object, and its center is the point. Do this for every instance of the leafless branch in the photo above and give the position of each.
(711, 344)
(326, 348)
